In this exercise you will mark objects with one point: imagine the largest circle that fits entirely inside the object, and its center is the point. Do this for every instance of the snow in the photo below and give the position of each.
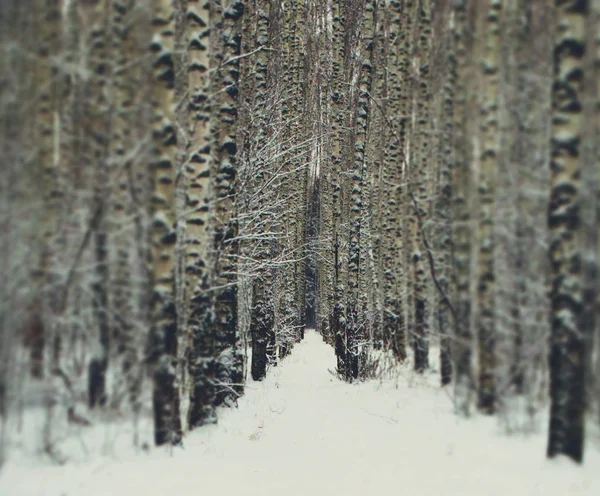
(303, 432)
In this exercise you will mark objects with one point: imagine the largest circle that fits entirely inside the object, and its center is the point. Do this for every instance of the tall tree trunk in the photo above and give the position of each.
(100, 112)
(567, 387)
(376, 202)
(229, 368)
(122, 235)
(356, 295)
(443, 211)
(165, 394)
(395, 316)
(489, 129)
(596, 89)
(262, 311)
(420, 196)
(461, 209)
(200, 39)
(589, 207)
(338, 101)
(49, 23)
(298, 97)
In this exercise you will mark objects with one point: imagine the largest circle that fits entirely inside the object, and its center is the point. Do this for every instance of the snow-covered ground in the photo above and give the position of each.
(303, 432)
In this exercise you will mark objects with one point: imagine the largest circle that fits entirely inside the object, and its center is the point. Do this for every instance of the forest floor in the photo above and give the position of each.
(302, 431)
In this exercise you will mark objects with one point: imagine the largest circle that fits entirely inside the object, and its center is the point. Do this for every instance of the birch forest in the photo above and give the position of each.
(192, 188)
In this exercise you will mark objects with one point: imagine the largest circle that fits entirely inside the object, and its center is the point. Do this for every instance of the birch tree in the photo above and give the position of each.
(489, 130)
(166, 401)
(566, 360)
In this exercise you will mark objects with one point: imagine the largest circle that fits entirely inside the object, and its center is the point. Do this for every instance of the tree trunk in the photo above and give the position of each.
(229, 366)
(163, 335)
(461, 234)
(489, 129)
(567, 387)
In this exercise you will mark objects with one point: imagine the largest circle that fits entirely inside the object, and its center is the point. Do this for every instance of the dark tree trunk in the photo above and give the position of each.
(312, 264)
(165, 394)
(567, 364)
(394, 331)
(567, 393)
(99, 365)
(35, 339)
(420, 342)
(229, 369)
(261, 330)
(445, 350)
(202, 368)
(352, 351)
(97, 382)
(165, 400)
(338, 323)
(227, 366)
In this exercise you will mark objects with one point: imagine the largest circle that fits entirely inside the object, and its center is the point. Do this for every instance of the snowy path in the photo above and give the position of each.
(303, 432)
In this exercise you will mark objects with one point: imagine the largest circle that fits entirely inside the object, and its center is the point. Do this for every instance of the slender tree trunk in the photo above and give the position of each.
(420, 194)
(200, 39)
(485, 318)
(100, 122)
(262, 311)
(589, 208)
(165, 394)
(461, 209)
(229, 367)
(124, 228)
(395, 317)
(596, 127)
(338, 99)
(443, 212)
(49, 22)
(406, 120)
(567, 387)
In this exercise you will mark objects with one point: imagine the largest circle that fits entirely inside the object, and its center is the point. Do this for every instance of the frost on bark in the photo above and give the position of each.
(567, 388)
(163, 334)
